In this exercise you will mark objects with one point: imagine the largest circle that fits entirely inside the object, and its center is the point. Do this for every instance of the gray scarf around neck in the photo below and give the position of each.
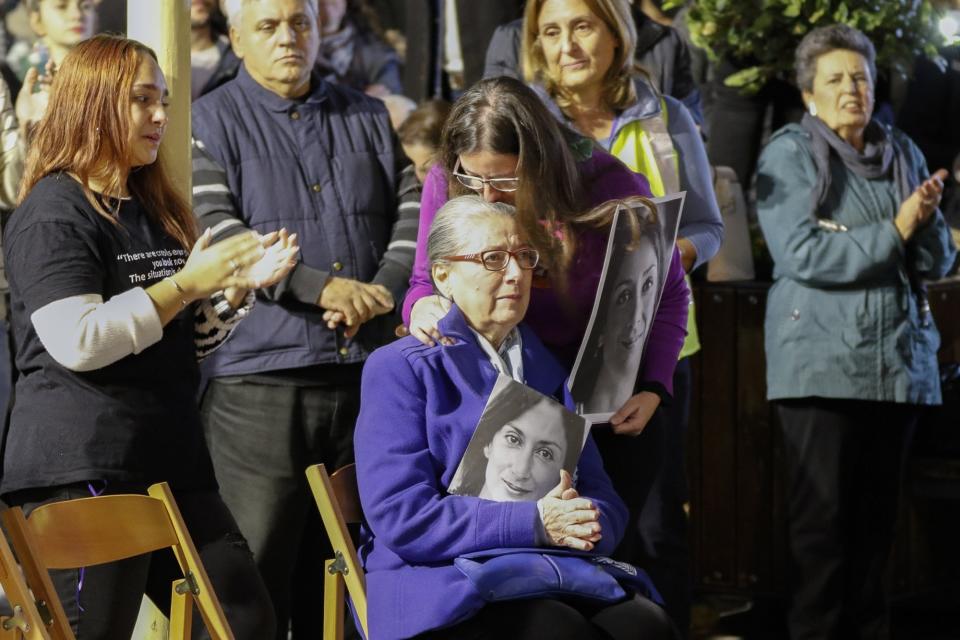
(336, 50)
(880, 157)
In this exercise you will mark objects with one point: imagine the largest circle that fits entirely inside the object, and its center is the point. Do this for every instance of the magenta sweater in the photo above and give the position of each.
(561, 327)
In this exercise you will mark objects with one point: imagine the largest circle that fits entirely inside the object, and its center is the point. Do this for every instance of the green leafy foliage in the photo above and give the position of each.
(760, 36)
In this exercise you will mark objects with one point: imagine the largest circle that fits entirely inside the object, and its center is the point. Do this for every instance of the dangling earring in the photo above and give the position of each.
(812, 107)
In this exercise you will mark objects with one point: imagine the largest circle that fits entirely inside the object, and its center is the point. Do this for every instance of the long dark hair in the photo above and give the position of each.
(502, 115)
(86, 128)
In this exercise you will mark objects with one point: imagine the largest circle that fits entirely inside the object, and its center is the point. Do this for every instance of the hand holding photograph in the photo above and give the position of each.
(521, 443)
(639, 251)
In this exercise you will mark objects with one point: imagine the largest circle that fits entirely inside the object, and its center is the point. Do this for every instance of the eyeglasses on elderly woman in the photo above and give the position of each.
(506, 185)
(497, 259)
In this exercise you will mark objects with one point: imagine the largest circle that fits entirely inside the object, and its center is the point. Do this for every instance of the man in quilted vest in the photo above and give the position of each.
(279, 147)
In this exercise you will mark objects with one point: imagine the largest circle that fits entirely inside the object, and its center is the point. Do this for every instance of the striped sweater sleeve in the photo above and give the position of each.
(213, 204)
(212, 326)
(397, 261)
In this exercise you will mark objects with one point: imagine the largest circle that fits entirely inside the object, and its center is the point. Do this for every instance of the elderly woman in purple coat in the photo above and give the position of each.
(420, 405)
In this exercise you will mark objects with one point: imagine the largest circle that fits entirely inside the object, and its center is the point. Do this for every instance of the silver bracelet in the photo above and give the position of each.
(183, 294)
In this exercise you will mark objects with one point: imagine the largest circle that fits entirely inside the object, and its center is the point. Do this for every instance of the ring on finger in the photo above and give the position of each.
(234, 265)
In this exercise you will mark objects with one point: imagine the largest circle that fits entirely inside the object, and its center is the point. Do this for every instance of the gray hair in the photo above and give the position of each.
(234, 9)
(456, 221)
(826, 39)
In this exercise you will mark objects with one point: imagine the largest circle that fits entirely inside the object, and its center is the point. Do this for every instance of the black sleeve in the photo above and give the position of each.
(683, 83)
(51, 260)
(655, 387)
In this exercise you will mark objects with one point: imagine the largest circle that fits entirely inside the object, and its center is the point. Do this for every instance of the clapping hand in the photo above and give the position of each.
(569, 520)
(278, 259)
(917, 209)
(215, 267)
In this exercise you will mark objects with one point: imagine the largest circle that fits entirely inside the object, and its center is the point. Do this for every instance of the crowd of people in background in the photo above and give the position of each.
(329, 137)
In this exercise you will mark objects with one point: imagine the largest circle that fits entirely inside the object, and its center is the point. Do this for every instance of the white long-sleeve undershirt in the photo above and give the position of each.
(84, 333)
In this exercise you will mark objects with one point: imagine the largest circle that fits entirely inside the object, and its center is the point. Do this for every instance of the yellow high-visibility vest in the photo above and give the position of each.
(646, 147)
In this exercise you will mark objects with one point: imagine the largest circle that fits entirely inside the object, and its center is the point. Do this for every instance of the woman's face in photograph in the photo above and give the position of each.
(525, 457)
(630, 310)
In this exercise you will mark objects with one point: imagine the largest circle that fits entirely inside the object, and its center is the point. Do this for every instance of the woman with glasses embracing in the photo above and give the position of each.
(420, 405)
(501, 143)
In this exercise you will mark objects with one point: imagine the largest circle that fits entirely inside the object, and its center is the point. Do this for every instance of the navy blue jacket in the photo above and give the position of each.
(324, 167)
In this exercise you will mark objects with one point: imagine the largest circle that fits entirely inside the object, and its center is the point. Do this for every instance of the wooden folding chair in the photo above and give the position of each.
(339, 503)
(19, 617)
(90, 531)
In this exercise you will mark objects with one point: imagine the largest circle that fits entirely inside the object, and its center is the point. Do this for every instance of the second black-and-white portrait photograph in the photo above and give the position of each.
(639, 251)
(522, 441)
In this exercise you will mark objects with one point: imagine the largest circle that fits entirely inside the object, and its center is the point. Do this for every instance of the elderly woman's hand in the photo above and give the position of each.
(425, 316)
(917, 209)
(569, 520)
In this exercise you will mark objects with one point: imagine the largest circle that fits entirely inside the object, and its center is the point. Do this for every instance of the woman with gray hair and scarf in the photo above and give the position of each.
(850, 215)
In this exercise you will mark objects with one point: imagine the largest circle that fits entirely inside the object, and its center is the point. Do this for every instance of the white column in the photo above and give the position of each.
(164, 26)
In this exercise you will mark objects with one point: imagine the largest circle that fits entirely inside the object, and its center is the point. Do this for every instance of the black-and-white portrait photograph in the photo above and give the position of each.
(638, 257)
(521, 443)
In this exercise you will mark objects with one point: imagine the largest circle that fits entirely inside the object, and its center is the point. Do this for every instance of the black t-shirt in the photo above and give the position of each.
(135, 420)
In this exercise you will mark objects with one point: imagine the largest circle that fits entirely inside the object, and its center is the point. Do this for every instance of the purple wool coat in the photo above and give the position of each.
(419, 408)
(559, 326)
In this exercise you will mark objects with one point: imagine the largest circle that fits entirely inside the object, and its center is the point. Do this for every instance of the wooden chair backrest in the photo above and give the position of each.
(338, 500)
(25, 622)
(344, 485)
(88, 531)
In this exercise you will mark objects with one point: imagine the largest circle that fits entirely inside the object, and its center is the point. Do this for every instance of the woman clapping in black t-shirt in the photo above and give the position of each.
(111, 308)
